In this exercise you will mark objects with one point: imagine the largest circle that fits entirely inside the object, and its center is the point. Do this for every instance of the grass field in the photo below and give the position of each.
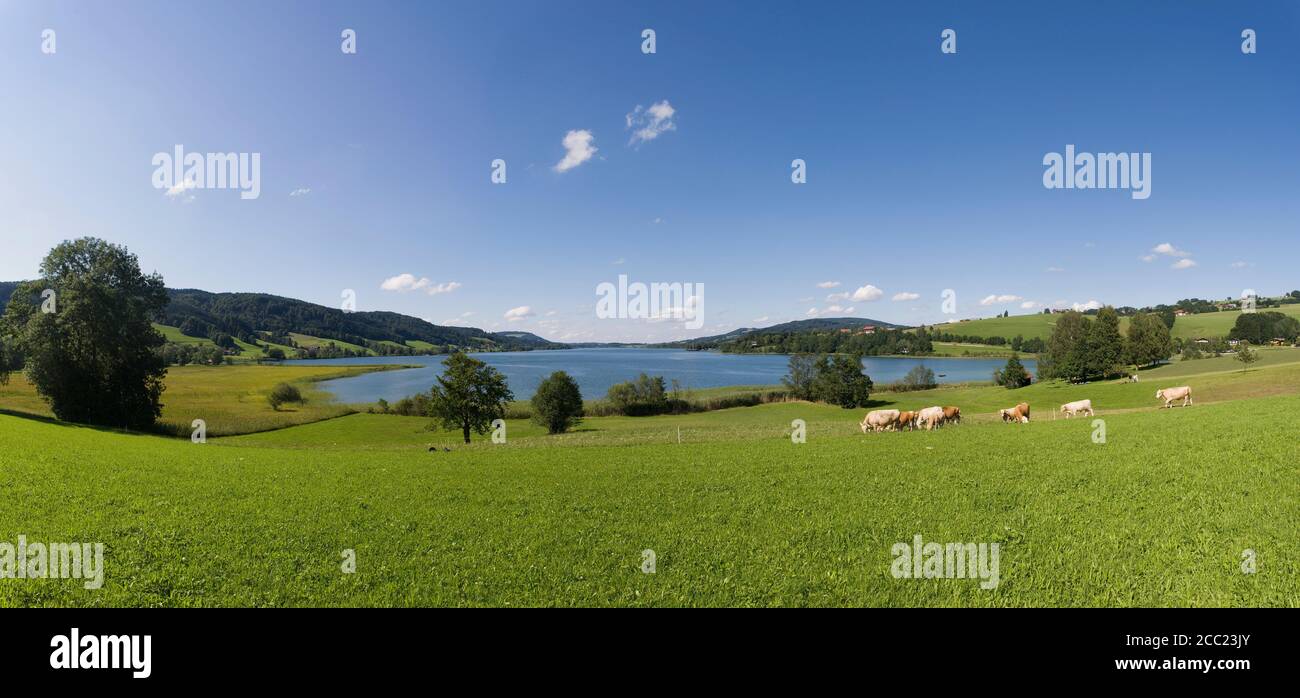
(307, 341)
(737, 514)
(1040, 325)
(976, 350)
(230, 399)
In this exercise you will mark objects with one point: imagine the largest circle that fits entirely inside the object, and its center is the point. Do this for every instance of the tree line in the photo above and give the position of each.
(1082, 349)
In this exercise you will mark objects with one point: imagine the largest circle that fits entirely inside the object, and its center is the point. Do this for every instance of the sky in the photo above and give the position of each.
(924, 169)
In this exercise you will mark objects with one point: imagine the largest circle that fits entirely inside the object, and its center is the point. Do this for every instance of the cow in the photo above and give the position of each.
(1183, 393)
(1072, 408)
(930, 418)
(1019, 413)
(951, 414)
(879, 420)
(906, 419)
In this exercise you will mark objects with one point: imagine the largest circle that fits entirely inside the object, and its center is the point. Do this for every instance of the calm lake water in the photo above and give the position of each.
(597, 369)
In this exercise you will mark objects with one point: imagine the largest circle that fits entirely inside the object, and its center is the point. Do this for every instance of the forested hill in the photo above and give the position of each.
(253, 317)
(244, 315)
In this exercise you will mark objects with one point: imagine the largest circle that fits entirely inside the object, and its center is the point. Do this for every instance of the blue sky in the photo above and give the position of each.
(924, 169)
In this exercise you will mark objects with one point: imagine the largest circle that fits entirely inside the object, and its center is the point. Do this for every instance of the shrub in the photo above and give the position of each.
(557, 404)
(284, 393)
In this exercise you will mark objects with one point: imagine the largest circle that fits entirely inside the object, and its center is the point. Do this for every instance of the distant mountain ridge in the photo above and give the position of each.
(810, 325)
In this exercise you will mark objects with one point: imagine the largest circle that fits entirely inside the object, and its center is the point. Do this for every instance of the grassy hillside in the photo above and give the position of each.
(1040, 325)
(736, 513)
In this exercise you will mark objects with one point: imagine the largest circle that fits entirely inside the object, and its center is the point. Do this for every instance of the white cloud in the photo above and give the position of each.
(405, 283)
(578, 149)
(648, 124)
(1055, 269)
(1240, 265)
(906, 296)
(828, 284)
(1004, 298)
(867, 293)
(300, 191)
(181, 191)
(1167, 249)
(620, 260)
(1090, 305)
(1148, 258)
(760, 319)
(1030, 305)
(1182, 264)
(517, 314)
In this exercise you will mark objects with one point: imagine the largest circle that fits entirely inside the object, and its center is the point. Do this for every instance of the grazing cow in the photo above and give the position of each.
(906, 419)
(1170, 394)
(951, 414)
(1019, 413)
(1078, 406)
(930, 418)
(879, 420)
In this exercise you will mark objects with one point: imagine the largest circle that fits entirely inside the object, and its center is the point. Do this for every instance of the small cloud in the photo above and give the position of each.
(828, 284)
(906, 296)
(1030, 305)
(657, 220)
(760, 319)
(1182, 264)
(1148, 258)
(300, 191)
(867, 293)
(578, 149)
(1169, 250)
(517, 314)
(1090, 305)
(1055, 270)
(620, 260)
(648, 124)
(405, 283)
(181, 191)
(1004, 298)
(1240, 265)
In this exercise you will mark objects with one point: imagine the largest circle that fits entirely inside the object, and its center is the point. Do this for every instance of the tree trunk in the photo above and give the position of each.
(465, 430)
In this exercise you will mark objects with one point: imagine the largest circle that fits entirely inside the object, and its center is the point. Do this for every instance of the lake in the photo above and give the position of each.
(597, 369)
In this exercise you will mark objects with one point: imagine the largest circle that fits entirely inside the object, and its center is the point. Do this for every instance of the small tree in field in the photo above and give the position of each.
(557, 404)
(469, 395)
(1246, 355)
(284, 393)
(1013, 375)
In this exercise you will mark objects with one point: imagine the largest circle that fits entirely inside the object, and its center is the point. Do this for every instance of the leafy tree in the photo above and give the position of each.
(284, 393)
(840, 381)
(1259, 328)
(1168, 316)
(1246, 355)
(803, 371)
(95, 357)
(1013, 375)
(557, 404)
(643, 396)
(1149, 341)
(1105, 345)
(1062, 356)
(1192, 352)
(275, 354)
(469, 395)
(919, 378)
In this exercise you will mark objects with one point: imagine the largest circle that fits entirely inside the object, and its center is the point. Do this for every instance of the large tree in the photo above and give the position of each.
(1149, 342)
(1105, 345)
(469, 395)
(840, 381)
(84, 331)
(1064, 356)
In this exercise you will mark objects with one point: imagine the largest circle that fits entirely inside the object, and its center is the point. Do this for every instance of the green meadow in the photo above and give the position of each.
(736, 514)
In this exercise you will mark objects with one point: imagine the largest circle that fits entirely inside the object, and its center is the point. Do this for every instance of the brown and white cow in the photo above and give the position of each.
(879, 420)
(1017, 414)
(906, 420)
(1183, 393)
(951, 414)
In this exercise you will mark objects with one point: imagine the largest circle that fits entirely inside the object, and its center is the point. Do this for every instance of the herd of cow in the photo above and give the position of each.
(934, 417)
